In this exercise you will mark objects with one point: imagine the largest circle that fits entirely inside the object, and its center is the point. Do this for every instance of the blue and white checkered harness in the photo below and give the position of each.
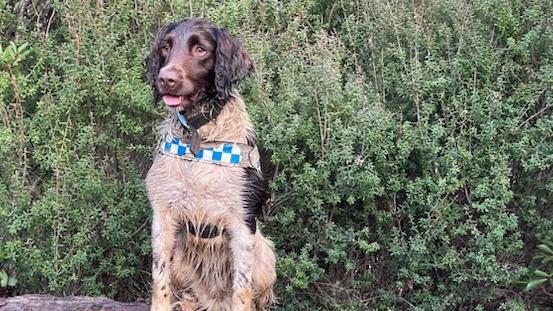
(220, 153)
(224, 153)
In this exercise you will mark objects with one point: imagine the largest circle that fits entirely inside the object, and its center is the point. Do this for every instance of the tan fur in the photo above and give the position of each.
(233, 271)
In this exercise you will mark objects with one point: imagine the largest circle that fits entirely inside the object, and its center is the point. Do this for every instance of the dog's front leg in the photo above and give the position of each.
(163, 243)
(241, 246)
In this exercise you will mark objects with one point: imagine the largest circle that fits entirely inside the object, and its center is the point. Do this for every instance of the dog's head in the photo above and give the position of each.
(194, 60)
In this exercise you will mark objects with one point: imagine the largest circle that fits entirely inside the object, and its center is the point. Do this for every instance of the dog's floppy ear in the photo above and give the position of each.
(154, 61)
(232, 63)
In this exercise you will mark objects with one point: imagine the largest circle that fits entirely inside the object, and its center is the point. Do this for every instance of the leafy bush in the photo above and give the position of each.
(411, 143)
(541, 277)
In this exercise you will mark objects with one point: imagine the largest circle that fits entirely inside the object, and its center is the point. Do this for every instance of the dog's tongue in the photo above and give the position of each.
(171, 101)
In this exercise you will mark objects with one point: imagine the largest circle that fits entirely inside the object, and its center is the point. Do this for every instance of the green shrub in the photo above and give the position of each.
(541, 277)
(411, 143)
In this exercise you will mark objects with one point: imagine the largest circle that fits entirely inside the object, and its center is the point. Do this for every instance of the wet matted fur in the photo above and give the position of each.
(231, 267)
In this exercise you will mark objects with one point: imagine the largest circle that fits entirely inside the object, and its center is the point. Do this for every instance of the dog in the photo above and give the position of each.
(205, 185)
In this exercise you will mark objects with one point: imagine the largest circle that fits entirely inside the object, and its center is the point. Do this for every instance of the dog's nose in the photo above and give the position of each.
(167, 78)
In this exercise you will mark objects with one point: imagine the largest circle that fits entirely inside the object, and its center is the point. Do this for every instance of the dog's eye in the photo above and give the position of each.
(164, 50)
(198, 50)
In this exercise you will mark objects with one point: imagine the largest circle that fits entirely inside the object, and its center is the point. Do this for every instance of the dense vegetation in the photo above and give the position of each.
(411, 140)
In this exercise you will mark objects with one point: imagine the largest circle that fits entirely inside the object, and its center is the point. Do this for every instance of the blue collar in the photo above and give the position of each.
(182, 120)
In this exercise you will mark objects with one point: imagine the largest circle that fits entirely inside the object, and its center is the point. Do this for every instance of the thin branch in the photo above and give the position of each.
(23, 6)
(50, 22)
(533, 116)
(21, 125)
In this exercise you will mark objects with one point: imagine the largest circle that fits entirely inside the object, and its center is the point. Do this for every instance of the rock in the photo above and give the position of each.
(53, 303)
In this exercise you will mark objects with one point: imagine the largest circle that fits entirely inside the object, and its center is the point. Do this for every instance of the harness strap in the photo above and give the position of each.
(203, 118)
(220, 153)
(195, 123)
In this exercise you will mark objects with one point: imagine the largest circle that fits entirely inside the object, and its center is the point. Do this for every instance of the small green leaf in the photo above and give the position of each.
(548, 243)
(3, 279)
(545, 248)
(535, 283)
(22, 47)
(12, 281)
(542, 274)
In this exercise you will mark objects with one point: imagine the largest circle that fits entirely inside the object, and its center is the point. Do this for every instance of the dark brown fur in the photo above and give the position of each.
(215, 73)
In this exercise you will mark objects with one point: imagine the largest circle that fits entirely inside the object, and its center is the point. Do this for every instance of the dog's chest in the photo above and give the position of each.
(193, 188)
